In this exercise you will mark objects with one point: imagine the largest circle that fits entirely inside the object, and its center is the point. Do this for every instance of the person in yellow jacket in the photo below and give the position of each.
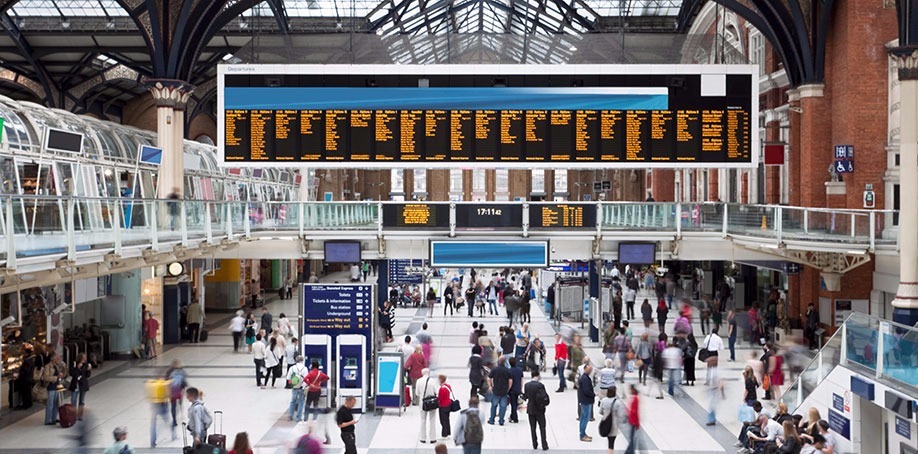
(158, 393)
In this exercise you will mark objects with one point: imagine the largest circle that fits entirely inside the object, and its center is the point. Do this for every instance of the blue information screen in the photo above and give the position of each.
(337, 309)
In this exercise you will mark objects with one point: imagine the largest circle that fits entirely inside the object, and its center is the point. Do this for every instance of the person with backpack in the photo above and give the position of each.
(537, 397)
(158, 395)
(121, 446)
(469, 433)
(613, 414)
(178, 381)
(199, 417)
(295, 376)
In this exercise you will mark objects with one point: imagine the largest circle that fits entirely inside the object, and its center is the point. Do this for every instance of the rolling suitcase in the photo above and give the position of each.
(407, 396)
(219, 438)
(202, 337)
(67, 414)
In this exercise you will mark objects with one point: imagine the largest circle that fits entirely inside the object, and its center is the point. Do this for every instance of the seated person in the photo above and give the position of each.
(769, 431)
(824, 441)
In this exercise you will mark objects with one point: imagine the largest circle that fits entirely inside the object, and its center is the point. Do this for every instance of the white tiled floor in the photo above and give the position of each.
(228, 383)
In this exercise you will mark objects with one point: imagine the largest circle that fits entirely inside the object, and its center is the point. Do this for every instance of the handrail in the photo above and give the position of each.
(28, 215)
(844, 340)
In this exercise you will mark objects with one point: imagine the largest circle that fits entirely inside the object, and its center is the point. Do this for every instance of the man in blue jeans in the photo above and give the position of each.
(500, 380)
(586, 398)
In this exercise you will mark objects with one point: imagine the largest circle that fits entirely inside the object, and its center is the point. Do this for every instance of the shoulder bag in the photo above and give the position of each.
(429, 403)
(453, 403)
(605, 425)
(704, 353)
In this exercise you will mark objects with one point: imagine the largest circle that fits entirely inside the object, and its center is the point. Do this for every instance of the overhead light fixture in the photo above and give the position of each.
(339, 25)
(243, 24)
(175, 269)
(60, 308)
(7, 321)
(379, 31)
(65, 23)
(110, 24)
(573, 48)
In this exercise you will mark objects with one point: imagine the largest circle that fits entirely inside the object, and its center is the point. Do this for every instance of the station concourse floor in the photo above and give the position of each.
(117, 398)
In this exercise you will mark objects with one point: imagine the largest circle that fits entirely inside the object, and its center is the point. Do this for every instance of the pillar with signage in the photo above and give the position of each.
(595, 322)
(345, 314)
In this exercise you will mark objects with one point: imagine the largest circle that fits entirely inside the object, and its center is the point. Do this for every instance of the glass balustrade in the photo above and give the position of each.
(90, 222)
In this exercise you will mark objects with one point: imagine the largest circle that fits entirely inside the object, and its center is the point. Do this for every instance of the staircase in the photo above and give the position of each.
(865, 344)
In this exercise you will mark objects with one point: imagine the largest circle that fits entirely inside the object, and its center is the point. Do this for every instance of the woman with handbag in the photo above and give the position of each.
(644, 352)
(445, 399)
(274, 361)
(53, 377)
(613, 412)
(689, 349)
(415, 366)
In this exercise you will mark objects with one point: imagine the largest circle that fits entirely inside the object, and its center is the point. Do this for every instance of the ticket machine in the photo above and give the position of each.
(351, 377)
(317, 347)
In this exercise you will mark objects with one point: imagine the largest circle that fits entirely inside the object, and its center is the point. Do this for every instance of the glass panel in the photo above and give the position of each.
(861, 341)
(900, 346)
(397, 180)
(478, 180)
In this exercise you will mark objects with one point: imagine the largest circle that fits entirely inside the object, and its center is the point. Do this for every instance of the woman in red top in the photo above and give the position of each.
(560, 361)
(634, 421)
(241, 444)
(776, 372)
(314, 380)
(415, 366)
(150, 329)
(445, 398)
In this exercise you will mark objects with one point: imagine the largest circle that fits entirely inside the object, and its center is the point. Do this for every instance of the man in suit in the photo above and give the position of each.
(536, 395)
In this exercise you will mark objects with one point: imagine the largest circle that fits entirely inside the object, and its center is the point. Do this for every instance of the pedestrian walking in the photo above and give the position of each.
(634, 421)
(427, 389)
(199, 417)
(314, 381)
(646, 313)
(121, 445)
(476, 370)
(713, 344)
(469, 432)
(346, 422)
(445, 403)
(274, 361)
(178, 382)
(237, 328)
(560, 362)
(672, 362)
(249, 331)
(158, 395)
(731, 333)
(643, 351)
(585, 398)
(613, 415)
(258, 355)
(267, 321)
(516, 388)
(53, 378)
(150, 331)
(195, 318)
(537, 401)
(662, 311)
(415, 364)
(79, 383)
(499, 381)
(296, 378)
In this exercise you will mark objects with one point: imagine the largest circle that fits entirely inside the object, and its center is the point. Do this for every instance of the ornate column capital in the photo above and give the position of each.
(906, 59)
(169, 92)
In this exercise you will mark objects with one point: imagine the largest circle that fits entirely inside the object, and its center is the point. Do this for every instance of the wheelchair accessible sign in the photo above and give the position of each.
(844, 159)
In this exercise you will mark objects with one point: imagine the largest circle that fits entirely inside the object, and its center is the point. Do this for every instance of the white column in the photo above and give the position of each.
(170, 97)
(907, 294)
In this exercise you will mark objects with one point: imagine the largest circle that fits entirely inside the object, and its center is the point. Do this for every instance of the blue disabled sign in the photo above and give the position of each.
(337, 309)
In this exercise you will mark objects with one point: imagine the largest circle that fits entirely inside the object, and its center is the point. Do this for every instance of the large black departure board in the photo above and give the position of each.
(562, 215)
(416, 215)
(335, 116)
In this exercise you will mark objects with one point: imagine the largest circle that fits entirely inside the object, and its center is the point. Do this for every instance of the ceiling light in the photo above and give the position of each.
(339, 26)
(573, 49)
(65, 23)
(379, 31)
(110, 24)
(227, 57)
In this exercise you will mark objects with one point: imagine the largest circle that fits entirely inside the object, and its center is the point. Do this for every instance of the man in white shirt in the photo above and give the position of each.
(769, 430)
(427, 387)
(237, 327)
(630, 296)
(672, 362)
(295, 374)
(713, 344)
(290, 352)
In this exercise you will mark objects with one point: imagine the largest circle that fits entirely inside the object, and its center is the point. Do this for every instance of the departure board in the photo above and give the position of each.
(489, 215)
(562, 215)
(589, 116)
(417, 215)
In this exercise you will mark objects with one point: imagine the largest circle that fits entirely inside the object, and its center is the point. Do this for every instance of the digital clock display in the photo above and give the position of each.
(478, 216)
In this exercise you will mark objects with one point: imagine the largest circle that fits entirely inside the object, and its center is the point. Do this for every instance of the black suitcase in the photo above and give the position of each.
(202, 337)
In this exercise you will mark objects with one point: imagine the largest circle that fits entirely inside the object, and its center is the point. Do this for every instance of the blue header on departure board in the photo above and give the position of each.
(337, 309)
(500, 98)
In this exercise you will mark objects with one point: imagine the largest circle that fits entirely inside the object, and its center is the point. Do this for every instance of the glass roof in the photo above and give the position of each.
(614, 8)
(68, 8)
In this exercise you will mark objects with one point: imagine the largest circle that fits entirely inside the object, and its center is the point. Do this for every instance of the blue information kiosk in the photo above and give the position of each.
(344, 313)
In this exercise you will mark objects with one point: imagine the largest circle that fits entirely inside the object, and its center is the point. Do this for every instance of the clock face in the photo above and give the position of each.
(176, 268)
